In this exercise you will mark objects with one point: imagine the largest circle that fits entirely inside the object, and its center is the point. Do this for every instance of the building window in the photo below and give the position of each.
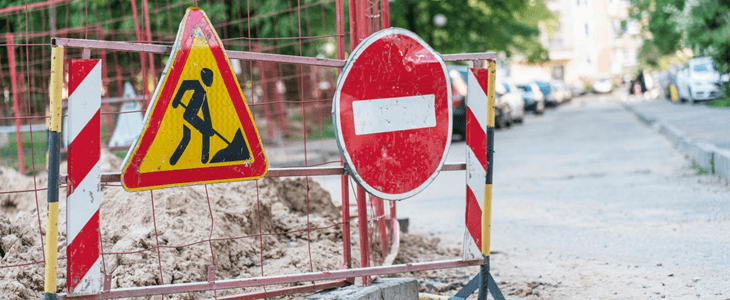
(586, 26)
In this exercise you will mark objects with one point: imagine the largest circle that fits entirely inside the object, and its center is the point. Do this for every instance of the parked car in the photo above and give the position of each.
(459, 76)
(567, 94)
(699, 80)
(601, 85)
(553, 95)
(513, 97)
(533, 97)
(578, 90)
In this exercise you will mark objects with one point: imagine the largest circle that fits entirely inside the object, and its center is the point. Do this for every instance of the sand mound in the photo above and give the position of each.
(185, 219)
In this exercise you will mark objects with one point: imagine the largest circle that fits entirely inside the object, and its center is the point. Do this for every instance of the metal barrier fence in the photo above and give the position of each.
(287, 55)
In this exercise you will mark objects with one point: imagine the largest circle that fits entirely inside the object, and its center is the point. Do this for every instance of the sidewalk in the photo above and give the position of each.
(701, 132)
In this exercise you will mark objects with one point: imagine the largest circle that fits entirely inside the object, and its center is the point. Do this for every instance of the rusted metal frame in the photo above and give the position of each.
(10, 39)
(265, 96)
(360, 18)
(382, 228)
(385, 13)
(362, 222)
(111, 100)
(105, 81)
(165, 50)
(273, 280)
(344, 182)
(470, 56)
(30, 6)
(287, 172)
(142, 58)
(244, 55)
(287, 291)
(148, 33)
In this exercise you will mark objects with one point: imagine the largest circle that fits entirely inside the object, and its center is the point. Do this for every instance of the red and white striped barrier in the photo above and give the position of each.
(476, 150)
(83, 276)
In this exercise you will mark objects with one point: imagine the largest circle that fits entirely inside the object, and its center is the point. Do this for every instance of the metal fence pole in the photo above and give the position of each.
(54, 153)
(10, 39)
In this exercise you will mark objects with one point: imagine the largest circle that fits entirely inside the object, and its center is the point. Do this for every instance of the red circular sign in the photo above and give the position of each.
(392, 114)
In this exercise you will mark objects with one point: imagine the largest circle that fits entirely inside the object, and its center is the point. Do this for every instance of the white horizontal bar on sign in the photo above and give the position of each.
(394, 114)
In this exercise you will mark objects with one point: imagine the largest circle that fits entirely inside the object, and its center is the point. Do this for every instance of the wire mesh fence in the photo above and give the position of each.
(258, 228)
(284, 224)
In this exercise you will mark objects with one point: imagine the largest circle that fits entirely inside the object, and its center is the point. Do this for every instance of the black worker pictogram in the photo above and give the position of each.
(236, 149)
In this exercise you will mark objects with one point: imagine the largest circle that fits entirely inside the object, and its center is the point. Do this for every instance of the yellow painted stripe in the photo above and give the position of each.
(492, 67)
(486, 219)
(56, 88)
(51, 247)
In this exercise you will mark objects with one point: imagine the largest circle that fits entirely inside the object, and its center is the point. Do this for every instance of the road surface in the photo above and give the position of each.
(590, 199)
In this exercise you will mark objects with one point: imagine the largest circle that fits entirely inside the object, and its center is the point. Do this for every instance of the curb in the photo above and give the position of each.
(382, 288)
(704, 154)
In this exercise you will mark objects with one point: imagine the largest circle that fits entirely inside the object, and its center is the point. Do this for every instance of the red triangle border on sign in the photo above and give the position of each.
(256, 167)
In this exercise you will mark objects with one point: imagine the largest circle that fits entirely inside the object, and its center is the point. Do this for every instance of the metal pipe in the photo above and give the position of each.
(54, 154)
(362, 222)
(385, 13)
(283, 172)
(344, 183)
(105, 82)
(243, 55)
(142, 58)
(272, 280)
(10, 40)
(363, 20)
(382, 228)
(287, 291)
(148, 32)
(29, 6)
(352, 4)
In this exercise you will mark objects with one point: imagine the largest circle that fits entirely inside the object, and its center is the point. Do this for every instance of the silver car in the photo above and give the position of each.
(699, 80)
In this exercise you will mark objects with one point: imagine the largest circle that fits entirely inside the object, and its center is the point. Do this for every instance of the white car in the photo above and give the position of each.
(513, 97)
(601, 85)
(699, 80)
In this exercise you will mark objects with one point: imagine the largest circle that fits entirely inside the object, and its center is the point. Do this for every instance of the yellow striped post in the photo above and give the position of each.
(54, 153)
(484, 284)
(487, 205)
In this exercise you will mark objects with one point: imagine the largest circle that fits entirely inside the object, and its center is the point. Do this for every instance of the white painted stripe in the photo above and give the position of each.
(476, 100)
(84, 102)
(476, 176)
(83, 203)
(394, 114)
(92, 281)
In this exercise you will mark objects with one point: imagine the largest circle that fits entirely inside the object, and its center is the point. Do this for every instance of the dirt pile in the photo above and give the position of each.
(196, 227)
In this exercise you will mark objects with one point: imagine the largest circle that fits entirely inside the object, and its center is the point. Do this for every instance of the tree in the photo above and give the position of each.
(476, 25)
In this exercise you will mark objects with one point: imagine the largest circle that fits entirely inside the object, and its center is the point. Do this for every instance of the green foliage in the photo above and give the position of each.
(708, 32)
(720, 103)
(476, 25)
(666, 36)
(9, 152)
(702, 25)
(700, 170)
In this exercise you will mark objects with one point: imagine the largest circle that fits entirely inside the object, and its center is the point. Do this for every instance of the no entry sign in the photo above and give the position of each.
(392, 114)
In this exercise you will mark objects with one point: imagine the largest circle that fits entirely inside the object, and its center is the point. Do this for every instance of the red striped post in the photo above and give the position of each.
(476, 151)
(84, 275)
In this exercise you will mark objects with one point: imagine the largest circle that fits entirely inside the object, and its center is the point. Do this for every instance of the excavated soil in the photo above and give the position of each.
(231, 215)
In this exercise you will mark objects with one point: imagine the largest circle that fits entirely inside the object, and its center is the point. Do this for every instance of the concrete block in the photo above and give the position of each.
(721, 162)
(381, 289)
(701, 153)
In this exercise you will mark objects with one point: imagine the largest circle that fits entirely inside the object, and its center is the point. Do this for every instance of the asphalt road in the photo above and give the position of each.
(589, 198)
(593, 203)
